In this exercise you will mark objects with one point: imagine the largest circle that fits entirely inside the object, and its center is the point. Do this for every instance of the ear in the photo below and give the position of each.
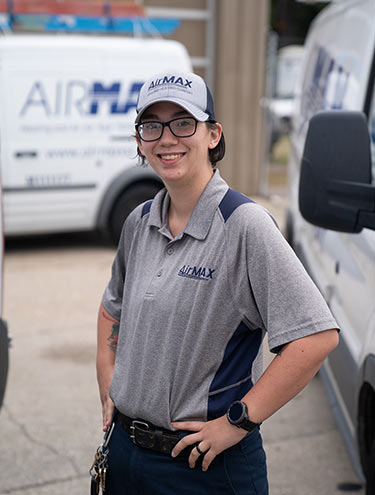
(215, 135)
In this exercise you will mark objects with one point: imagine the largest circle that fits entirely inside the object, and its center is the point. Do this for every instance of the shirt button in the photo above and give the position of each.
(158, 274)
(170, 251)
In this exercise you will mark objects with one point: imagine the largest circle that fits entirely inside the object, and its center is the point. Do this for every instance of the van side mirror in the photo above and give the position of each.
(335, 190)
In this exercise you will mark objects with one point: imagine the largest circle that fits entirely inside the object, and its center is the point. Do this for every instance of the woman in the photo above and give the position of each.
(200, 275)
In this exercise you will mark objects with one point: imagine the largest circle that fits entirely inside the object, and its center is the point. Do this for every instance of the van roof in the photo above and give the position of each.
(337, 7)
(55, 41)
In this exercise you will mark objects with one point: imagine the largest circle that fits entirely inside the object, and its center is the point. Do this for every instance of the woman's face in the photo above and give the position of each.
(174, 159)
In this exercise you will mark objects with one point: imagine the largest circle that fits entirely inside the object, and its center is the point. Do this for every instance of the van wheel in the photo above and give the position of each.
(126, 202)
(370, 479)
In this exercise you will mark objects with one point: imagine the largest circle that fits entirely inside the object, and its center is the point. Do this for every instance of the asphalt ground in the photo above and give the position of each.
(50, 424)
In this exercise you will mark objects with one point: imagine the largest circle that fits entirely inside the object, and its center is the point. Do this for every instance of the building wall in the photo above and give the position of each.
(192, 33)
(242, 27)
(238, 65)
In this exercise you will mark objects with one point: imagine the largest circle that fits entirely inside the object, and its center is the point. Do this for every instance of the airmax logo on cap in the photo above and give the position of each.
(171, 80)
(201, 273)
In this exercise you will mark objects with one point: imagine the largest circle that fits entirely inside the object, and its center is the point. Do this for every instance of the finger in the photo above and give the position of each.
(107, 415)
(207, 459)
(185, 442)
(193, 457)
(188, 425)
(106, 420)
(106, 425)
(202, 447)
(198, 451)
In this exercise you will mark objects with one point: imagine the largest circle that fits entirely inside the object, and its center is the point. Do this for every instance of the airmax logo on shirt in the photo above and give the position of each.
(198, 273)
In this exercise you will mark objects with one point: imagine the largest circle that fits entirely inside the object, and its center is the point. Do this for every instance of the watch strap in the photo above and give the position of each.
(248, 425)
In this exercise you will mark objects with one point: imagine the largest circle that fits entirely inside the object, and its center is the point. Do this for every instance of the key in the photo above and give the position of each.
(96, 461)
(104, 474)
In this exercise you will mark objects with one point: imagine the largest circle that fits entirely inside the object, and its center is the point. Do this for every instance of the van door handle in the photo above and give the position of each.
(26, 154)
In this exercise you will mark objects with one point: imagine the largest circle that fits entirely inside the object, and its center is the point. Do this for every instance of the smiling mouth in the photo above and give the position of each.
(170, 156)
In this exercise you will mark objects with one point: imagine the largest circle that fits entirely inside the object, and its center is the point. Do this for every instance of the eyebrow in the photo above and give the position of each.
(180, 113)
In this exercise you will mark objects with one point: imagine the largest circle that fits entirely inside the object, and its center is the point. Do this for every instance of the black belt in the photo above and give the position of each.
(147, 435)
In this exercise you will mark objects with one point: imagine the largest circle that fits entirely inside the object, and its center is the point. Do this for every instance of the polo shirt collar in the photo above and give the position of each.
(201, 218)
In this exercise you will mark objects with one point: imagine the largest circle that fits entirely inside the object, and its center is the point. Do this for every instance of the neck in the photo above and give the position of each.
(183, 199)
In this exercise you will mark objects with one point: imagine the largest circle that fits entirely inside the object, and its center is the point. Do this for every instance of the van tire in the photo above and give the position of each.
(370, 478)
(125, 204)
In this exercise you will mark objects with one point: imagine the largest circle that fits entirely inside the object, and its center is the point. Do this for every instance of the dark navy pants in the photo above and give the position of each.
(132, 470)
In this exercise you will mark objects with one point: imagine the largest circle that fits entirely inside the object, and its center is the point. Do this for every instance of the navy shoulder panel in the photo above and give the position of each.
(231, 201)
(146, 208)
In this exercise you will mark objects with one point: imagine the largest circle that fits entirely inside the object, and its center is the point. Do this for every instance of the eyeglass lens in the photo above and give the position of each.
(183, 127)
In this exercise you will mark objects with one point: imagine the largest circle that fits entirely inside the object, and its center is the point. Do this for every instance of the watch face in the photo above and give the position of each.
(236, 411)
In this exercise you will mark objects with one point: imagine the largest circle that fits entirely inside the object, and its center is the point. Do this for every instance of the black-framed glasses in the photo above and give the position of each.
(181, 127)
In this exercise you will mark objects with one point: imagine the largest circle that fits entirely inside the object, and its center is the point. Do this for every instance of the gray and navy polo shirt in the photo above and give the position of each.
(194, 309)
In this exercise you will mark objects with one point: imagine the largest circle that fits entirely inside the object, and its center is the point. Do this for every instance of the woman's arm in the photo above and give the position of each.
(108, 329)
(289, 372)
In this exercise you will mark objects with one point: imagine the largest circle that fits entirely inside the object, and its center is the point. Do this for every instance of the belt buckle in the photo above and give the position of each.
(137, 424)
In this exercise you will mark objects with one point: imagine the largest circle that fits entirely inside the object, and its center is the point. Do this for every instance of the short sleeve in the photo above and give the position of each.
(289, 303)
(113, 294)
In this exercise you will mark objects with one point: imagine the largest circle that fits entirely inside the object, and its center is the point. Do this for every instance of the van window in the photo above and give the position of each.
(371, 124)
(329, 83)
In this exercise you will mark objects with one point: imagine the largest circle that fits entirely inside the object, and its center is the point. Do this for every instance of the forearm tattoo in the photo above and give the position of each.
(113, 338)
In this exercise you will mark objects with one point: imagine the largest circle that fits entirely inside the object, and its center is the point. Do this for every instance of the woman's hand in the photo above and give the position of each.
(107, 412)
(212, 438)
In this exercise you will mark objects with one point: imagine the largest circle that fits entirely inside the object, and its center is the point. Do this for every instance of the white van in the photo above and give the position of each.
(67, 107)
(334, 189)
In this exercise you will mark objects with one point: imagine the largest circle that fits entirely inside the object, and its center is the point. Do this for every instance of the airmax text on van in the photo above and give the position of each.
(79, 98)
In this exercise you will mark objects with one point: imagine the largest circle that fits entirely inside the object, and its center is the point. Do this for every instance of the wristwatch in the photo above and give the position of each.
(237, 416)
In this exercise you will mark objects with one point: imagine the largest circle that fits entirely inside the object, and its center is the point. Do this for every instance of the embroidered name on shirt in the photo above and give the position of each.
(201, 273)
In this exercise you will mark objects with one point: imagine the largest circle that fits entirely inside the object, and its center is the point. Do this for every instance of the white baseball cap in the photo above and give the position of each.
(186, 89)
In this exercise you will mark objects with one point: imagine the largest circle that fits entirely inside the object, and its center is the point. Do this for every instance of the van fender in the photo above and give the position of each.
(124, 180)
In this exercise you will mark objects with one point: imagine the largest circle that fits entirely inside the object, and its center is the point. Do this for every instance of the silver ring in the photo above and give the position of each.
(199, 450)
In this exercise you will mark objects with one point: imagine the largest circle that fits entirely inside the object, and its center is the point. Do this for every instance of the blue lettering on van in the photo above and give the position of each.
(37, 97)
(111, 95)
(79, 97)
(325, 85)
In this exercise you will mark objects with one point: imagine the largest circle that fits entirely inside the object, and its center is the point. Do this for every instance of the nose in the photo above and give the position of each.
(167, 136)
